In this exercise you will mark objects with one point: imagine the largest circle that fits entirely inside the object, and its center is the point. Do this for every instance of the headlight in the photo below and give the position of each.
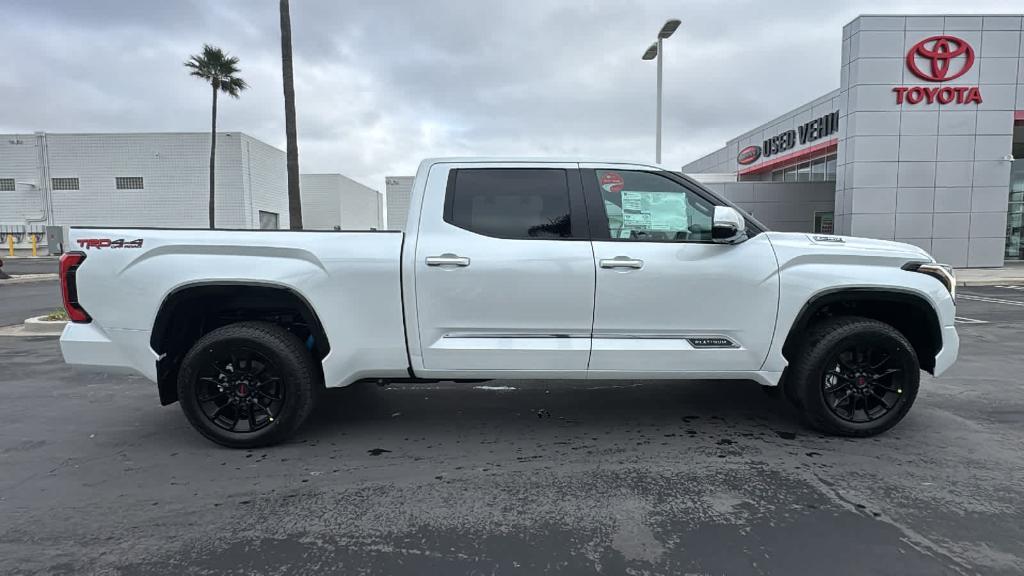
(943, 272)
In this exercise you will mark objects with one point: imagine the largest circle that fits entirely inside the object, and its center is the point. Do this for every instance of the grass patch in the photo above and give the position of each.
(58, 315)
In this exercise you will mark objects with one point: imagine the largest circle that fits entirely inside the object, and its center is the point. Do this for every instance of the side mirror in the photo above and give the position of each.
(729, 226)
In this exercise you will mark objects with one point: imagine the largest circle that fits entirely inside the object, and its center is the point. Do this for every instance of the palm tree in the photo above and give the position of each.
(220, 69)
(294, 200)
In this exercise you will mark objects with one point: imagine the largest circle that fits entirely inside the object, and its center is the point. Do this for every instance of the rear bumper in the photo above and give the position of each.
(90, 347)
(950, 349)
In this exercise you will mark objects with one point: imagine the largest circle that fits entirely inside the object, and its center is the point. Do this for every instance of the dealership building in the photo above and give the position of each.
(162, 180)
(916, 145)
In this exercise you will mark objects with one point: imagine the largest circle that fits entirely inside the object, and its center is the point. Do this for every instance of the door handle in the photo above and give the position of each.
(622, 262)
(447, 260)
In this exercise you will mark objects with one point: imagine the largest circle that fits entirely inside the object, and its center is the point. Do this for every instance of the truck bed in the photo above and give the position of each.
(351, 279)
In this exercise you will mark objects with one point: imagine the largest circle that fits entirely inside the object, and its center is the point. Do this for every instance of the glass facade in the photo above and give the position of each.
(1015, 212)
(817, 170)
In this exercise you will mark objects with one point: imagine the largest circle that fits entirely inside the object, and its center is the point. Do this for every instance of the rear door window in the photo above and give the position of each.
(514, 203)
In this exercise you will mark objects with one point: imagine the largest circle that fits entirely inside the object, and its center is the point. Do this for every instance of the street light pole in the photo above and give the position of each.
(654, 51)
(657, 153)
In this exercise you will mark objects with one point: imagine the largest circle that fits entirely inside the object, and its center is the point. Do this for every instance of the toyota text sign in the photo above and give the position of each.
(939, 59)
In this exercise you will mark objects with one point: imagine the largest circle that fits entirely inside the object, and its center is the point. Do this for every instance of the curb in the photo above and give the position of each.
(38, 325)
(34, 327)
(25, 278)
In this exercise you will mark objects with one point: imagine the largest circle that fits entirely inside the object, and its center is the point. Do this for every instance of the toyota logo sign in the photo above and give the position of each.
(939, 59)
(940, 56)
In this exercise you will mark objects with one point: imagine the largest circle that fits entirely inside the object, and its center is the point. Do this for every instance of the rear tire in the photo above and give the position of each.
(854, 376)
(247, 384)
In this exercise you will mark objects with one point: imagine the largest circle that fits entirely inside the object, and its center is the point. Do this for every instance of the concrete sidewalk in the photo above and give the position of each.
(1011, 274)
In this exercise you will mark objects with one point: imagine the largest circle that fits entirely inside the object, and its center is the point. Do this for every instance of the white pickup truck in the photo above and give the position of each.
(511, 269)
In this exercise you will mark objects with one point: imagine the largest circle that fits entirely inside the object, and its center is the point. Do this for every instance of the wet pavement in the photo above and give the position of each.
(533, 477)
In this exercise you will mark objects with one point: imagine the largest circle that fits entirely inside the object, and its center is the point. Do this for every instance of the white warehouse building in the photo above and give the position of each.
(398, 190)
(332, 201)
(162, 180)
(140, 179)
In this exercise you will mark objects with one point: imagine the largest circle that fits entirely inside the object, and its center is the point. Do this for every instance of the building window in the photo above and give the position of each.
(128, 182)
(823, 222)
(268, 220)
(1015, 211)
(818, 170)
(6, 184)
(803, 172)
(65, 183)
(830, 168)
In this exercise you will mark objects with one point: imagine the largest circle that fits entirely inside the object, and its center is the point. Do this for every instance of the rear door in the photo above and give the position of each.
(504, 270)
(668, 299)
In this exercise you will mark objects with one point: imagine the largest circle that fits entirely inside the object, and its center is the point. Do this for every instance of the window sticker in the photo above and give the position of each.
(654, 211)
(612, 182)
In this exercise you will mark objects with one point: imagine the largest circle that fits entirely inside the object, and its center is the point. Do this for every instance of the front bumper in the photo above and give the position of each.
(950, 349)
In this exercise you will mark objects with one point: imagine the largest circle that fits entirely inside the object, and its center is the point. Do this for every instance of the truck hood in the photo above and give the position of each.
(789, 245)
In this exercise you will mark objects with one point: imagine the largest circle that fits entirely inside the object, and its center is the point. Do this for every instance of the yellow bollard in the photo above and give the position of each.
(10, 244)
(33, 244)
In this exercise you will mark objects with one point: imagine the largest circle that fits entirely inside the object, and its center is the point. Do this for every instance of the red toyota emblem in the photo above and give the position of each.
(939, 53)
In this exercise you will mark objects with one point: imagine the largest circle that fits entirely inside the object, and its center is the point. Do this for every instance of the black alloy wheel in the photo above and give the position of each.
(854, 376)
(864, 383)
(241, 390)
(248, 384)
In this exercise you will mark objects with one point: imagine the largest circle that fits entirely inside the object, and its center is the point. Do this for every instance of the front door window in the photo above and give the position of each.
(648, 207)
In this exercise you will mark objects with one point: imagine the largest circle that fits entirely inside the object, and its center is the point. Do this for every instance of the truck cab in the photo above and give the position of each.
(584, 270)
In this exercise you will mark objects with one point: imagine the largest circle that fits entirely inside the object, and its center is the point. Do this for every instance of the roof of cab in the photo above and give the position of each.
(537, 160)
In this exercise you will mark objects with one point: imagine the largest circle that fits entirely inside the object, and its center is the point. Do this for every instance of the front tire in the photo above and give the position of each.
(247, 384)
(855, 376)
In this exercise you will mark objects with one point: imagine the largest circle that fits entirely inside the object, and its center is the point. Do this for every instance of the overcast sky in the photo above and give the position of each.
(382, 84)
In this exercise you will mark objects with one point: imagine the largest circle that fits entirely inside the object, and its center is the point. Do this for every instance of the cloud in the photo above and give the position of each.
(380, 85)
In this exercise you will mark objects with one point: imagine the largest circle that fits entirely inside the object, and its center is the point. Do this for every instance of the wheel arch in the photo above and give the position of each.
(907, 311)
(191, 310)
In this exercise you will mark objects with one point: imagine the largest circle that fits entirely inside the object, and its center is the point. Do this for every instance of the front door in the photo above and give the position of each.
(668, 299)
(504, 271)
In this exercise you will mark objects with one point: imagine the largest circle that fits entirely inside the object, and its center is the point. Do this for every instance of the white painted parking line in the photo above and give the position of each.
(1011, 287)
(990, 300)
(962, 320)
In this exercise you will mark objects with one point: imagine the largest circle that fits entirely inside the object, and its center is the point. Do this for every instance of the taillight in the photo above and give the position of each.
(69, 264)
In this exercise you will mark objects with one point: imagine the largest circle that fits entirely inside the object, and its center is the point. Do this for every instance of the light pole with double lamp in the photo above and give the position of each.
(655, 52)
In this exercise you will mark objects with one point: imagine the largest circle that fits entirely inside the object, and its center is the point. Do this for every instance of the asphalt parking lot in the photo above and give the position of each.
(41, 265)
(518, 477)
(21, 301)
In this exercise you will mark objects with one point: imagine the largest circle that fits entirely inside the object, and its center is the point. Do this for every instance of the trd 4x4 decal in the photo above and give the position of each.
(99, 243)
